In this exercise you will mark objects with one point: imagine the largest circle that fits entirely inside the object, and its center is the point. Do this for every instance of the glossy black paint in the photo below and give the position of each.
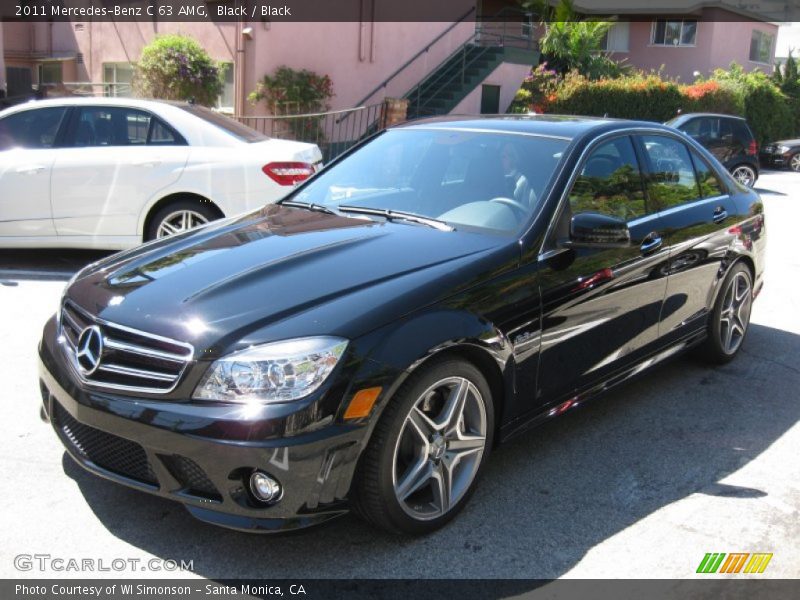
(550, 324)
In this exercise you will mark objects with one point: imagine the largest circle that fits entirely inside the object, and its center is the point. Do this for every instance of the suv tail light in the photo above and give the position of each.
(752, 149)
(288, 173)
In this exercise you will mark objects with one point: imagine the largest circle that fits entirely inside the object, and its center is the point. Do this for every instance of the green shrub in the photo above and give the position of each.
(648, 96)
(176, 67)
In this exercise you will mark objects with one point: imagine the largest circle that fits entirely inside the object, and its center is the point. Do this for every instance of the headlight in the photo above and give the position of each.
(783, 149)
(276, 372)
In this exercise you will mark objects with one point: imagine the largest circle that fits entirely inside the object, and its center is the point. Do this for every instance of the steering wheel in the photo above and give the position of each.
(512, 203)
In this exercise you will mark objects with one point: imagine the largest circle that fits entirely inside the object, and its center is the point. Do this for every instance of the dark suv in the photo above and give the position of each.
(728, 138)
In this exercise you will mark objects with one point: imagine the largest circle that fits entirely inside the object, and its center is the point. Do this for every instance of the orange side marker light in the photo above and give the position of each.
(362, 403)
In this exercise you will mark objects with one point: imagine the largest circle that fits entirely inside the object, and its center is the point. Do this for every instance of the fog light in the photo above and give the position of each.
(264, 487)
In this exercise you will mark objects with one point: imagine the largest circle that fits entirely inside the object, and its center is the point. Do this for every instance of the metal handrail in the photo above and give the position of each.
(416, 56)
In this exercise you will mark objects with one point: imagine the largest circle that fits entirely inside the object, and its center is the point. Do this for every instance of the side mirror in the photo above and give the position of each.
(593, 230)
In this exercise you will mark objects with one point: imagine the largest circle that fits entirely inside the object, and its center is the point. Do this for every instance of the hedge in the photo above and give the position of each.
(650, 97)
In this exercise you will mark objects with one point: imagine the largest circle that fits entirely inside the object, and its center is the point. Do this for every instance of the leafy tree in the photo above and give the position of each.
(176, 67)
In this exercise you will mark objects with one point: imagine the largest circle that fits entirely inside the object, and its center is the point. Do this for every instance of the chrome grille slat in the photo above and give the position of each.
(136, 349)
(132, 360)
(142, 374)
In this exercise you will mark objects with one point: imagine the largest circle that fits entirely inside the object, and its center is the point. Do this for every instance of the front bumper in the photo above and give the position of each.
(769, 159)
(168, 449)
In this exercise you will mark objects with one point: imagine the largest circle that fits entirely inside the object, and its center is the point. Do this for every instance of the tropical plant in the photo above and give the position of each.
(176, 67)
(570, 43)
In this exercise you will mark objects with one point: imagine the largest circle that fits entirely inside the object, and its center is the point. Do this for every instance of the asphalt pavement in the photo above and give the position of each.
(640, 484)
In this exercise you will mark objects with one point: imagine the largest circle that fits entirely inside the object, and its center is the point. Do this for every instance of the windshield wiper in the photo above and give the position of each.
(307, 206)
(399, 215)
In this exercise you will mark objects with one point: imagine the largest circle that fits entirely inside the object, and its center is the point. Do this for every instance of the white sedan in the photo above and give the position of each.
(112, 172)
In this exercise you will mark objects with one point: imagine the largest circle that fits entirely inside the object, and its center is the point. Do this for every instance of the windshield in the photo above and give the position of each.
(488, 181)
(228, 125)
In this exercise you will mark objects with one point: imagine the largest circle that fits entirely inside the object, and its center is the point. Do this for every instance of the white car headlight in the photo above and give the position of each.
(783, 149)
(275, 372)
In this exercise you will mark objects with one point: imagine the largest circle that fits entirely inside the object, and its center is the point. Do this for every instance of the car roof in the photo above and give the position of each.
(94, 101)
(559, 126)
(708, 114)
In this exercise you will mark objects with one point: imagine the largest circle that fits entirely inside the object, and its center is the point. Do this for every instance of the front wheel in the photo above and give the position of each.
(745, 174)
(794, 162)
(730, 318)
(427, 451)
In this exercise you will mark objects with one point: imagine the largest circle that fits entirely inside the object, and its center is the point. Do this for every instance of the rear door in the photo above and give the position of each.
(696, 211)
(117, 159)
(601, 306)
(27, 153)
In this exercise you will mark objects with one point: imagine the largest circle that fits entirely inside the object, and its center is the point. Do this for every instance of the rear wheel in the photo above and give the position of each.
(427, 451)
(730, 318)
(179, 216)
(744, 174)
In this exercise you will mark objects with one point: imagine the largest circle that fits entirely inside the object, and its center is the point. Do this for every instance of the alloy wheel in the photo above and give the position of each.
(735, 315)
(744, 175)
(794, 162)
(439, 449)
(180, 221)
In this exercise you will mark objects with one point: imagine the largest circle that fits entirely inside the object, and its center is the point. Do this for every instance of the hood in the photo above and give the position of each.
(281, 265)
(784, 143)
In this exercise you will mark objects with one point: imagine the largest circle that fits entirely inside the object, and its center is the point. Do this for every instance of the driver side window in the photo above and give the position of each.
(610, 182)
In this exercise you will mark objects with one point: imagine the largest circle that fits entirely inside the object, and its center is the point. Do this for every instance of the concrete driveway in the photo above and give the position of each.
(640, 484)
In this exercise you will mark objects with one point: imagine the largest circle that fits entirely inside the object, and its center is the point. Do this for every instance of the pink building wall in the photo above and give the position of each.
(718, 43)
(508, 76)
(2, 64)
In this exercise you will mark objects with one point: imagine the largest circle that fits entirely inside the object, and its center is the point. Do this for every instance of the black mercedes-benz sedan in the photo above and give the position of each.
(364, 343)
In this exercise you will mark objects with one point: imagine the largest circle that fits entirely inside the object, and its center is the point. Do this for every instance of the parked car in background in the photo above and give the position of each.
(364, 343)
(728, 138)
(783, 153)
(113, 172)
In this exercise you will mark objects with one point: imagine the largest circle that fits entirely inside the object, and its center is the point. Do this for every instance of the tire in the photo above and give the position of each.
(745, 174)
(794, 162)
(171, 216)
(385, 492)
(730, 317)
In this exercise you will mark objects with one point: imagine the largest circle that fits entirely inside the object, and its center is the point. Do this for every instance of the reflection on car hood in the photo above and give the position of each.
(784, 143)
(276, 263)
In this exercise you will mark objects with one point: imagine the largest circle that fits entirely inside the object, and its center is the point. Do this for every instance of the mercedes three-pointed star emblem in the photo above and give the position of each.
(89, 350)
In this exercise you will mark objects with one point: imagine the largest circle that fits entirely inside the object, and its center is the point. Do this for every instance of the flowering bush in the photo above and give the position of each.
(536, 91)
(288, 91)
(176, 67)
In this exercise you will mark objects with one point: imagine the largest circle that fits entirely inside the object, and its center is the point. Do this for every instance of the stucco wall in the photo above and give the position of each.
(718, 43)
(508, 76)
(2, 64)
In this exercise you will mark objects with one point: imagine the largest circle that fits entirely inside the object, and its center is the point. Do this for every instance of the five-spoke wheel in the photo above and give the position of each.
(427, 449)
(730, 317)
(745, 174)
(179, 216)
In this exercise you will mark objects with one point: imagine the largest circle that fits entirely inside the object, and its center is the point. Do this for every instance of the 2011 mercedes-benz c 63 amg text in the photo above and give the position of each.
(364, 343)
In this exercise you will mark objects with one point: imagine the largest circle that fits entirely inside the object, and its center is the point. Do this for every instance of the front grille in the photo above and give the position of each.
(129, 359)
(108, 451)
(191, 477)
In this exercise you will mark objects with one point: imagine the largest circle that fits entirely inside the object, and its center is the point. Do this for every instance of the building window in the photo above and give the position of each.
(674, 33)
(761, 44)
(50, 73)
(117, 79)
(225, 101)
(618, 37)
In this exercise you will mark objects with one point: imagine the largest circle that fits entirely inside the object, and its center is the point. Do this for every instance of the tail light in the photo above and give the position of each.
(752, 149)
(288, 173)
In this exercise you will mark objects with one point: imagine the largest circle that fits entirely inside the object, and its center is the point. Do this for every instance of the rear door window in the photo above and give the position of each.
(710, 184)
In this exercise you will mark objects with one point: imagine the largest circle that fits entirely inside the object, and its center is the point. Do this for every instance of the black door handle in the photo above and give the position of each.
(651, 243)
(720, 214)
